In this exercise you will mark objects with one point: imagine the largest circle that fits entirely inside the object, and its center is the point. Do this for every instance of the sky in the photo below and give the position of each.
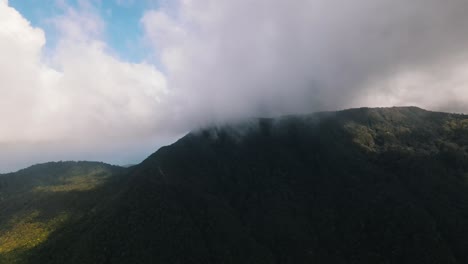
(115, 80)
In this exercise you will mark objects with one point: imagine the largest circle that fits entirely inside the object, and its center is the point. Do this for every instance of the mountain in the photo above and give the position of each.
(383, 185)
(43, 199)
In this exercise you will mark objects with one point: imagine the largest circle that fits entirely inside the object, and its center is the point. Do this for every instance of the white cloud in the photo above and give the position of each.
(444, 89)
(240, 58)
(80, 96)
(223, 59)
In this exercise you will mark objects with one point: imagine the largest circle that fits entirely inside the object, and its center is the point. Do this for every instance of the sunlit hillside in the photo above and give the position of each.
(38, 201)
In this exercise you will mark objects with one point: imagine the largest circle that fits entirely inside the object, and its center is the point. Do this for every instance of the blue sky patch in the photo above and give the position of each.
(123, 31)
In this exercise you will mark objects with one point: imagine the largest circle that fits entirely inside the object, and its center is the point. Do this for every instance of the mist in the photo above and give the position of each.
(230, 58)
(216, 60)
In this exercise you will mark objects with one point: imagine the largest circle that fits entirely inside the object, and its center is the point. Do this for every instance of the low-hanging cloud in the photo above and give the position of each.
(221, 59)
(273, 57)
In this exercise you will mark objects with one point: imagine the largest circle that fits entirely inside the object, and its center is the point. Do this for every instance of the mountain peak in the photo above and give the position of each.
(367, 185)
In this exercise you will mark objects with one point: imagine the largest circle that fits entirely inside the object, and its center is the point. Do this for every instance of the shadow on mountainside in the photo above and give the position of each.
(356, 186)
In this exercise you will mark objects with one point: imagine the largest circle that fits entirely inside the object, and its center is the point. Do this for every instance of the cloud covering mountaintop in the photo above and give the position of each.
(215, 60)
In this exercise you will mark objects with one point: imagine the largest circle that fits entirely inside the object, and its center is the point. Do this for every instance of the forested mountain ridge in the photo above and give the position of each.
(42, 199)
(369, 185)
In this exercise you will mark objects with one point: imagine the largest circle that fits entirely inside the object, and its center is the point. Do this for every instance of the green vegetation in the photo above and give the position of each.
(385, 185)
(26, 233)
(40, 200)
(85, 182)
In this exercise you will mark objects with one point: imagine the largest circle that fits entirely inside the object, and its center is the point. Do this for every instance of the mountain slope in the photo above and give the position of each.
(40, 200)
(355, 186)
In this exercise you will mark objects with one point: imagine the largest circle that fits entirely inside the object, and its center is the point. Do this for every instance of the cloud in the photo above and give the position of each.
(240, 58)
(76, 98)
(218, 60)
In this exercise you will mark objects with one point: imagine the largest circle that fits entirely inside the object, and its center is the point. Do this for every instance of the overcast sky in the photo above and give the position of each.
(115, 80)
